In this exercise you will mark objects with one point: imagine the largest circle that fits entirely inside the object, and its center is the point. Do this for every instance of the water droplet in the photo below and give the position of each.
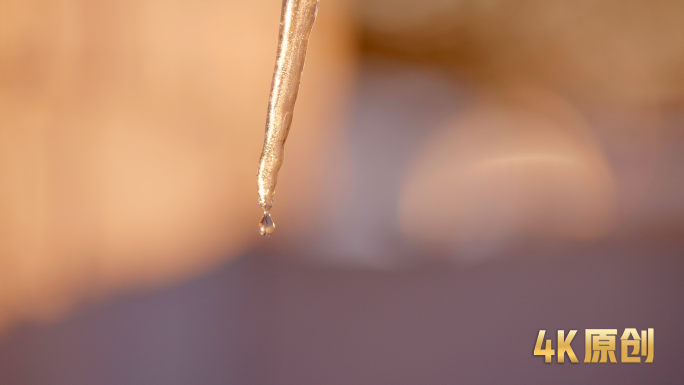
(266, 226)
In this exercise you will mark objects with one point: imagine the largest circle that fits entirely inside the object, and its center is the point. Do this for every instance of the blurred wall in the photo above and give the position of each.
(130, 133)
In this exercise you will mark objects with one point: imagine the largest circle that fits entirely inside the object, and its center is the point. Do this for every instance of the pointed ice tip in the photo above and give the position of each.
(266, 226)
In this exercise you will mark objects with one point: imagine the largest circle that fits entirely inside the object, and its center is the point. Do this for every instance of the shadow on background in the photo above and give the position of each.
(270, 320)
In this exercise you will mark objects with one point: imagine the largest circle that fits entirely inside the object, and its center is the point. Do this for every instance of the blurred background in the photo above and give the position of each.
(459, 175)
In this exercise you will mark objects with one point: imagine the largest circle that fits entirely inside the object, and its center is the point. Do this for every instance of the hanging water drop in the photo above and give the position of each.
(266, 226)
